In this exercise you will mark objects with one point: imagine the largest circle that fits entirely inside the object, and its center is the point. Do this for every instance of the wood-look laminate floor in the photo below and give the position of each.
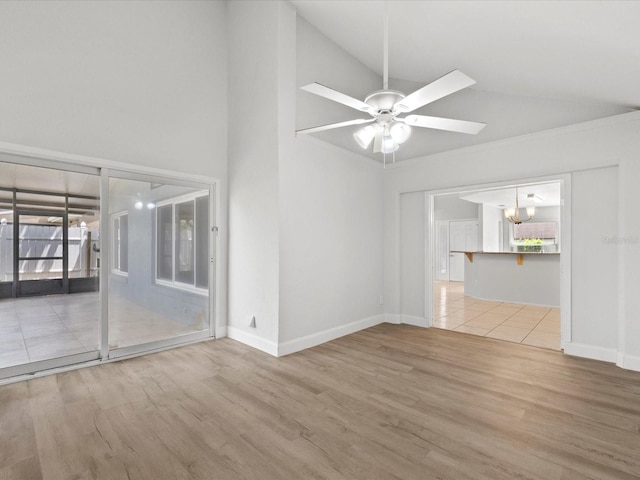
(390, 402)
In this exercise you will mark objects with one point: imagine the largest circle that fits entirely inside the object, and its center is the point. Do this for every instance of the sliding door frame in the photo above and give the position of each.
(31, 368)
(104, 169)
(105, 271)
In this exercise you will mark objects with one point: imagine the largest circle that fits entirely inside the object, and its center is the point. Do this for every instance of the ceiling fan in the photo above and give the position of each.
(387, 127)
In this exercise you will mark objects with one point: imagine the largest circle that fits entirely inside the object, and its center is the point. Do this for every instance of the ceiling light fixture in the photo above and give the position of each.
(389, 145)
(400, 132)
(513, 214)
(365, 135)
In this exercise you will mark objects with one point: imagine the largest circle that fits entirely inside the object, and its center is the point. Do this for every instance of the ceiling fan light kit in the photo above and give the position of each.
(365, 135)
(389, 130)
(400, 132)
(389, 145)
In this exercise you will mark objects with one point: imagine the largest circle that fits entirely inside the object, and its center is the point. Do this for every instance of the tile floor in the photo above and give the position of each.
(41, 328)
(527, 324)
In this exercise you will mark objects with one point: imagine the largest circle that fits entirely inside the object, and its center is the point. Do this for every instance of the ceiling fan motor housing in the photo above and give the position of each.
(383, 101)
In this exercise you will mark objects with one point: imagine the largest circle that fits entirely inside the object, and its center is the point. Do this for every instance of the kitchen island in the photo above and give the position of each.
(516, 277)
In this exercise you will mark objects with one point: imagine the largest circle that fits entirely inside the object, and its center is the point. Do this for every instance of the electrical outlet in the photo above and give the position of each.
(253, 322)
(381, 300)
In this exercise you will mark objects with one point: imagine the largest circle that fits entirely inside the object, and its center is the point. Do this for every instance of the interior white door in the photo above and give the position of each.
(457, 235)
(456, 267)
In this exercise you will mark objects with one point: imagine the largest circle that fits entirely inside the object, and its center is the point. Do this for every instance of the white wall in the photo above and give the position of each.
(594, 265)
(628, 245)
(598, 144)
(305, 217)
(413, 217)
(331, 244)
(135, 82)
(452, 207)
(253, 170)
(331, 211)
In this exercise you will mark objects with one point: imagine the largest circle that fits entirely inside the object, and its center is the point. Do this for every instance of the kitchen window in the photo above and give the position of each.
(536, 237)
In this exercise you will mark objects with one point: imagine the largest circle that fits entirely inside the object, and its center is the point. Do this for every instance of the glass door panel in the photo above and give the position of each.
(49, 238)
(162, 296)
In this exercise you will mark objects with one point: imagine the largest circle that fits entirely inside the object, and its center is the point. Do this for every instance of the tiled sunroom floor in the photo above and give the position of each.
(42, 328)
(526, 324)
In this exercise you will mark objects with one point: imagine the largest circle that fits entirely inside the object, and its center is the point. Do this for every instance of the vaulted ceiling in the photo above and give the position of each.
(538, 65)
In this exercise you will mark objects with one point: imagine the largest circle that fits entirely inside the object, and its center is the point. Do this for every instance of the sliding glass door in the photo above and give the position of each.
(49, 257)
(98, 264)
(160, 262)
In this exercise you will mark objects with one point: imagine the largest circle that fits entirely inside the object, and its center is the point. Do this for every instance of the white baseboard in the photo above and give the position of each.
(308, 341)
(414, 320)
(400, 318)
(221, 332)
(392, 318)
(630, 362)
(252, 340)
(590, 351)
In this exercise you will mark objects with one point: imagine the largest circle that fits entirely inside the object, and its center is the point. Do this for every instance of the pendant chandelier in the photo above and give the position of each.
(513, 214)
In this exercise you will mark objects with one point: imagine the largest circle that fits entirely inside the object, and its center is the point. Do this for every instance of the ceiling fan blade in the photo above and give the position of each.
(446, 85)
(439, 123)
(330, 126)
(336, 96)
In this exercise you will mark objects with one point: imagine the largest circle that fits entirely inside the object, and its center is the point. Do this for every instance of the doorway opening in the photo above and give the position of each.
(494, 275)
